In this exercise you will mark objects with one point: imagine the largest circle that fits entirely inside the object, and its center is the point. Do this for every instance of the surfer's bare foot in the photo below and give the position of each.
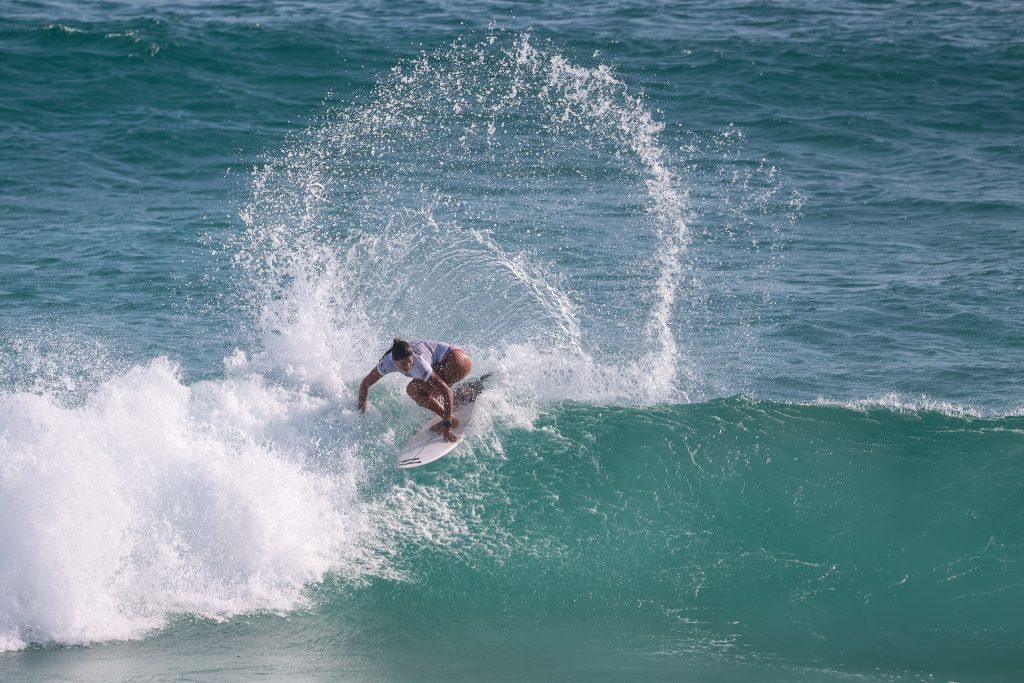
(449, 436)
(439, 427)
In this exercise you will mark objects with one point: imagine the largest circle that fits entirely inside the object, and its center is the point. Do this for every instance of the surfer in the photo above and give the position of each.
(434, 367)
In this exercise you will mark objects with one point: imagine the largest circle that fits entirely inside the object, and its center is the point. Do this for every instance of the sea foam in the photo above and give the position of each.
(156, 498)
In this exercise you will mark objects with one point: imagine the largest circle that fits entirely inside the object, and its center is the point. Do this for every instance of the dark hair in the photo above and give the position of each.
(400, 349)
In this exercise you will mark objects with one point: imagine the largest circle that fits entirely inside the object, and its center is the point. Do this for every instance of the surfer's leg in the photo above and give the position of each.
(419, 391)
(455, 366)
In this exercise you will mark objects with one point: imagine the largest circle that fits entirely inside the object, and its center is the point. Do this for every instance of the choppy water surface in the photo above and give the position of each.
(747, 276)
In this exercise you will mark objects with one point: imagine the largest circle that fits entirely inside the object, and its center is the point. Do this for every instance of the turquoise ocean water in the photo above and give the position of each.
(748, 276)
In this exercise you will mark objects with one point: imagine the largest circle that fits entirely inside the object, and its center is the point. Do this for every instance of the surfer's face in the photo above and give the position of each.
(404, 364)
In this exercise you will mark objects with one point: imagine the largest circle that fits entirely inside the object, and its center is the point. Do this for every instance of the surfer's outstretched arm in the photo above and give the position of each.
(364, 388)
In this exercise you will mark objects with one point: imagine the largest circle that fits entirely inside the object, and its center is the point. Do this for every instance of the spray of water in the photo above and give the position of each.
(459, 204)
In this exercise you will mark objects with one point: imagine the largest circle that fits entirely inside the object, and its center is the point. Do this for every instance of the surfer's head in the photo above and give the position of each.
(401, 353)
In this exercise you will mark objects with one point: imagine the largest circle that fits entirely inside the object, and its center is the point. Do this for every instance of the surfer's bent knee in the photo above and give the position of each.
(417, 387)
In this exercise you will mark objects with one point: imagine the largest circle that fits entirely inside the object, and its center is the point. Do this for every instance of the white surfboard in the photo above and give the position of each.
(426, 446)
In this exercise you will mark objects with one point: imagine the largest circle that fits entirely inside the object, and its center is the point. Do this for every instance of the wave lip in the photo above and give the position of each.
(901, 403)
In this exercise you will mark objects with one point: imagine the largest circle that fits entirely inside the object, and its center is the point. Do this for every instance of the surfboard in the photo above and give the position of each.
(426, 446)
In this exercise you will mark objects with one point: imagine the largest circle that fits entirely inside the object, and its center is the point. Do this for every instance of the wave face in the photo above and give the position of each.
(744, 277)
(732, 531)
(741, 531)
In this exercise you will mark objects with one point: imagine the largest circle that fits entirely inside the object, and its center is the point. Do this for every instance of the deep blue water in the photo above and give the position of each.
(747, 274)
